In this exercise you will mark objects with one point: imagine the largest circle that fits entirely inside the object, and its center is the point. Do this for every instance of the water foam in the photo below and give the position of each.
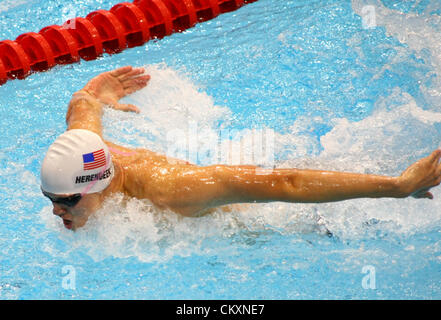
(420, 31)
(9, 4)
(135, 228)
(170, 102)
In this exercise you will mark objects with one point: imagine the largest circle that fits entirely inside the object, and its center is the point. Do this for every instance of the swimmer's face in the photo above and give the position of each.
(77, 215)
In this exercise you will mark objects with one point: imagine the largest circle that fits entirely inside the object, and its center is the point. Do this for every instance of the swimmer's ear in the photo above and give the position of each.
(126, 107)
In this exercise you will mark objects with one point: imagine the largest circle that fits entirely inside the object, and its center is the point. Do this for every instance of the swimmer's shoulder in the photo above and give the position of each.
(126, 152)
(139, 156)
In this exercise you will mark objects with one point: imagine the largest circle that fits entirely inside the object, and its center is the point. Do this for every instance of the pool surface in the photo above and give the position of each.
(342, 85)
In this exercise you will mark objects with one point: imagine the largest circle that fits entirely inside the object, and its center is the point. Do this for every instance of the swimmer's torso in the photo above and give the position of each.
(149, 175)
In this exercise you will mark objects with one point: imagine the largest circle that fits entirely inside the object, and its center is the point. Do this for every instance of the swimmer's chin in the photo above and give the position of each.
(73, 225)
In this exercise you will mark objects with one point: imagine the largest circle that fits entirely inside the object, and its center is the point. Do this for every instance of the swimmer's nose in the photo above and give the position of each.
(58, 211)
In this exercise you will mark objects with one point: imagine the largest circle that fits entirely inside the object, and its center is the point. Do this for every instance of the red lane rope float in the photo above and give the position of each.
(135, 24)
(110, 29)
(182, 12)
(90, 44)
(3, 76)
(124, 25)
(206, 9)
(15, 60)
(230, 5)
(63, 45)
(38, 51)
(158, 16)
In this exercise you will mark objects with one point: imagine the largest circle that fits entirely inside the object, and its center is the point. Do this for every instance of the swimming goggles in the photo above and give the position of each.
(70, 201)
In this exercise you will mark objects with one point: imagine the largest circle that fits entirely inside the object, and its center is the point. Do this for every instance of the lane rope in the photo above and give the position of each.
(125, 25)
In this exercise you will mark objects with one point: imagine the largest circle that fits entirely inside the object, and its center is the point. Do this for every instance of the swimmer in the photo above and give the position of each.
(81, 169)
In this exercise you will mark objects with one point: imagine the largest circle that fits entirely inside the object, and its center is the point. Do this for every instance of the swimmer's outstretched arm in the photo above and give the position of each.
(327, 186)
(201, 188)
(86, 107)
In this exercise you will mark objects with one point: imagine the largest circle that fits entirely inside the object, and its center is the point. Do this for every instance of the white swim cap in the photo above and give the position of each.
(77, 162)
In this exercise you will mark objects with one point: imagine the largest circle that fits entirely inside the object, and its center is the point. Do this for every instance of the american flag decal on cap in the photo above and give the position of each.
(94, 160)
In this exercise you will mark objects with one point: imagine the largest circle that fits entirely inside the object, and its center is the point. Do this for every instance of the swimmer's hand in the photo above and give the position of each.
(109, 87)
(424, 174)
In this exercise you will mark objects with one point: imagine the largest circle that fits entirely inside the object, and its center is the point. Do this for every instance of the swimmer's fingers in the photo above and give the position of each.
(126, 73)
(135, 84)
(136, 81)
(131, 74)
(121, 71)
(126, 107)
(423, 194)
(426, 195)
(435, 156)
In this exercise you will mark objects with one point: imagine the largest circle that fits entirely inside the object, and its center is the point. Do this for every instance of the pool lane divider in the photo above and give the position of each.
(125, 25)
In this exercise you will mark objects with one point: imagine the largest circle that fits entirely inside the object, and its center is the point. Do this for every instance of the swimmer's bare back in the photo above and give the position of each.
(191, 190)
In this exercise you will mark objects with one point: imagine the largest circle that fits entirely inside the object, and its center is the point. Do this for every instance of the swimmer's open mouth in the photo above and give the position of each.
(67, 224)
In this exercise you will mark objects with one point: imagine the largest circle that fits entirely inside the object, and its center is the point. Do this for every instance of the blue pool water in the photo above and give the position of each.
(339, 94)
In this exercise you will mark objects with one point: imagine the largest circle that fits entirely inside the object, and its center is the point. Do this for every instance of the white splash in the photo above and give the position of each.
(6, 5)
(420, 31)
(170, 101)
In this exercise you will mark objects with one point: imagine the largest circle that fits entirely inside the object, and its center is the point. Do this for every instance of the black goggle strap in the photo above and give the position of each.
(70, 201)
